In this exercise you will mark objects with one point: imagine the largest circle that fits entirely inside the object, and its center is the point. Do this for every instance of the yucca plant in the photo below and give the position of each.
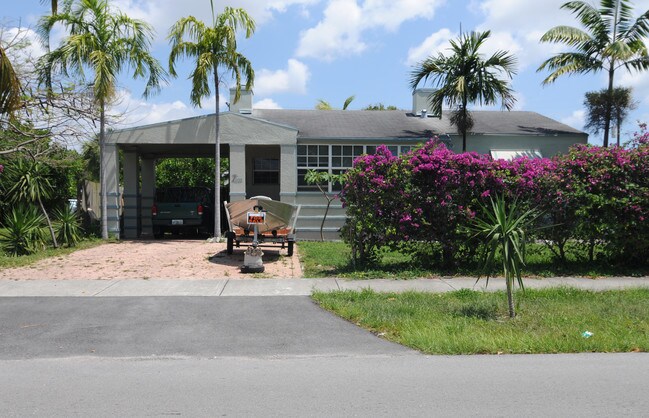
(67, 226)
(30, 185)
(24, 231)
(503, 230)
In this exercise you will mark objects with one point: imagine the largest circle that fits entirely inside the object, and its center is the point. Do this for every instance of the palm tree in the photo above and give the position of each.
(611, 39)
(466, 77)
(104, 41)
(325, 105)
(214, 48)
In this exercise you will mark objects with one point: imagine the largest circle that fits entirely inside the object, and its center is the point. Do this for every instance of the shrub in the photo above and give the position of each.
(423, 201)
(24, 231)
(67, 226)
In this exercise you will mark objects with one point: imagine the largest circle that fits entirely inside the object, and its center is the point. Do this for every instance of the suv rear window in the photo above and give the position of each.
(183, 194)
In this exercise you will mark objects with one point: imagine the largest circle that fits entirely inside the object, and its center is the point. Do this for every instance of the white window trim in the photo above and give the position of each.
(402, 149)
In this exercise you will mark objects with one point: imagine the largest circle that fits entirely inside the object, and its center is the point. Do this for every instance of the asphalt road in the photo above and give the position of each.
(203, 327)
(275, 356)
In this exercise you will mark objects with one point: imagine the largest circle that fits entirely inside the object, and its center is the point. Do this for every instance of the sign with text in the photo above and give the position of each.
(256, 217)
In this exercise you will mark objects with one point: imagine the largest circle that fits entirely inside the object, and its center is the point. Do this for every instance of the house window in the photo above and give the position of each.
(311, 157)
(265, 171)
(344, 155)
(334, 159)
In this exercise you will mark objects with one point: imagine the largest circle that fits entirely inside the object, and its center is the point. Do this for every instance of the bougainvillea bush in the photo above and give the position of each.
(608, 191)
(424, 200)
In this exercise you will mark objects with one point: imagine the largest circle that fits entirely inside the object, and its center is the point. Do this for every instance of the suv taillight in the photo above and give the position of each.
(200, 210)
(154, 210)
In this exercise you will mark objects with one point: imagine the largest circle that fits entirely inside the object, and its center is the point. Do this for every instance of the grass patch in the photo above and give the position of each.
(22, 261)
(332, 259)
(470, 322)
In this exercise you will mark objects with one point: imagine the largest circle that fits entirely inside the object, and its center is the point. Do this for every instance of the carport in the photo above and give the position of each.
(252, 145)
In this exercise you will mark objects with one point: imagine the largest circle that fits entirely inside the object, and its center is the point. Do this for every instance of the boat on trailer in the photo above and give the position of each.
(261, 220)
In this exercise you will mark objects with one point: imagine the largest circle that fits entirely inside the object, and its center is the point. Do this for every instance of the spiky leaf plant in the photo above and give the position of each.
(503, 229)
(24, 231)
(67, 226)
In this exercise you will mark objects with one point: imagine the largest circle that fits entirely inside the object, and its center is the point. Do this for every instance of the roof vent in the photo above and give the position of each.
(424, 113)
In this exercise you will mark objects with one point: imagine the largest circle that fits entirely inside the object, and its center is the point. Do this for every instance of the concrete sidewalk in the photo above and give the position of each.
(284, 287)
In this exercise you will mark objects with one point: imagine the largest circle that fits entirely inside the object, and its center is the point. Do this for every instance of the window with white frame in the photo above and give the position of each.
(334, 159)
(265, 171)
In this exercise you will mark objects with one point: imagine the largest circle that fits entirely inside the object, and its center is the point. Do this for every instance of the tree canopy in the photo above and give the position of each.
(213, 49)
(104, 41)
(465, 76)
(609, 39)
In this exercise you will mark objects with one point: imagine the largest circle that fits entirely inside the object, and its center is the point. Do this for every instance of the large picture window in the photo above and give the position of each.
(334, 159)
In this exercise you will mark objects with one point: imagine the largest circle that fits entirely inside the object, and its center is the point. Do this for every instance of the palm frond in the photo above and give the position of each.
(10, 87)
(348, 101)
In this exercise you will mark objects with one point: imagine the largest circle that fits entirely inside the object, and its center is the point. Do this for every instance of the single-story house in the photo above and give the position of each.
(270, 150)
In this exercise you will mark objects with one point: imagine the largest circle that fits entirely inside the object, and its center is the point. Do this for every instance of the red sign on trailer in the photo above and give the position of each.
(256, 217)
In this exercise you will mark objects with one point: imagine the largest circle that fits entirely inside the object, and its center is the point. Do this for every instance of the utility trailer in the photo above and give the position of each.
(261, 221)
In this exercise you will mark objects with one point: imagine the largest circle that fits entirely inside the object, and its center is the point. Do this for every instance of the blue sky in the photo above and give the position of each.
(305, 50)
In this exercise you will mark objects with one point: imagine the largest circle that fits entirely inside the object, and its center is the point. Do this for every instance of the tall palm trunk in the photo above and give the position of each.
(611, 74)
(102, 170)
(217, 157)
(609, 113)
(464, 129)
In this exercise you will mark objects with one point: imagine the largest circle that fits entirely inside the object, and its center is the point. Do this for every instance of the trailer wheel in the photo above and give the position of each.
(230, 244)
(290, 248)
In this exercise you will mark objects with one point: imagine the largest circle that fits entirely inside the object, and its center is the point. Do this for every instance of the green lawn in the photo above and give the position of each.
(331, 259)
(470, 322)
(8, 262)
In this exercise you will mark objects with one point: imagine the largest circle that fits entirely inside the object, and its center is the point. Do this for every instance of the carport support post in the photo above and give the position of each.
(288, 174)
(237, 172)
(131, 195)
(147, 195)
(111, 162)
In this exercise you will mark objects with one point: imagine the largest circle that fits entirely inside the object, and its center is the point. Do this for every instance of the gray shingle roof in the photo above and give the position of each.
(321, 124)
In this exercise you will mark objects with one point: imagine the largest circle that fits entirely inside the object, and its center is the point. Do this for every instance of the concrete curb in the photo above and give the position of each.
(285, 287)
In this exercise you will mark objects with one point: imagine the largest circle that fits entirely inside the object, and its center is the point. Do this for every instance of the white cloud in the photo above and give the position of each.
(266, 104)
(639, 82)
(340, 32)
(132, 111)
(576, 119)
(22, 44)
(439, 42)
(434, 44)
(522, 23)
(291, 80)
(162, 14)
